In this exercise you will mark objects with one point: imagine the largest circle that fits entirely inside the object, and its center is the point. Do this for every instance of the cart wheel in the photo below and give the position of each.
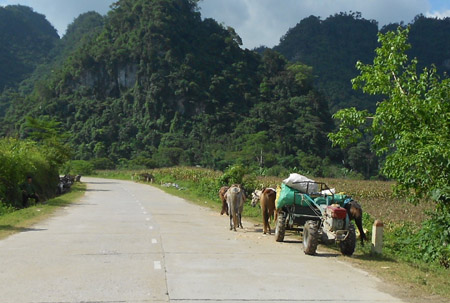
(280, 227)
(310, 237)
(347, 246)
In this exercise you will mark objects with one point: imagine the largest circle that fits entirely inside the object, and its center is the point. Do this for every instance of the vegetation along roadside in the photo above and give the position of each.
(23, 219)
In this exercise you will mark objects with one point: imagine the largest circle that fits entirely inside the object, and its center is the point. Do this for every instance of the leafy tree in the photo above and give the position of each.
(411, 126)
(48, 133)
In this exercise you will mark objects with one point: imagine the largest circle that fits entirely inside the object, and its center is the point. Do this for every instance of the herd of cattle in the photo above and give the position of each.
(233, 199)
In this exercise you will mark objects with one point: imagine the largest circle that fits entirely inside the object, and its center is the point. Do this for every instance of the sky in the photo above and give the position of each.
(258, 22)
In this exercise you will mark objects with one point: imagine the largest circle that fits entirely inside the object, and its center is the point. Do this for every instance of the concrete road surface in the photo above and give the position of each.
(127, 242)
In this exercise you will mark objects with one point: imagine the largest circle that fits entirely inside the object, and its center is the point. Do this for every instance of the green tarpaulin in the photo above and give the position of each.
(288, 196)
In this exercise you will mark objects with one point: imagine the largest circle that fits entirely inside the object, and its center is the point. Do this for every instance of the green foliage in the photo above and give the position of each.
(411, 125)
(5, 209)
(26, 39)
(78, 167)
(20, 158)
(233, 175)
(154, 79)
(48, 132)
(334, 45)
(429, 243)
(102, 163)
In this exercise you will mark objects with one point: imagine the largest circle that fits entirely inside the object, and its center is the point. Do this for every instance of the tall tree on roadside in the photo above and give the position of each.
(411, 127)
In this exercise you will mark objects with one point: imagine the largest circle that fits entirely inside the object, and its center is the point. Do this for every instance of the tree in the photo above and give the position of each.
(411, 126)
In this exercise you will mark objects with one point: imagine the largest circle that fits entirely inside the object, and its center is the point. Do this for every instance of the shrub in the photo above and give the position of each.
(19, 158)
(78, 167)
(103, 163)
(233, 175)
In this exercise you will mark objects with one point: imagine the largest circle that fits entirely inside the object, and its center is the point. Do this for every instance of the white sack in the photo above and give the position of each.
(294, 179)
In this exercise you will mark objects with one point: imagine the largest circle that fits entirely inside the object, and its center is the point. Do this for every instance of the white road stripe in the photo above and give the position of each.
(150, 227)
(157, 265)
(148, 219)
(154, 241)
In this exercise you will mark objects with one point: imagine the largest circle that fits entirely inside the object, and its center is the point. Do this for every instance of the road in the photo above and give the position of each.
(128, 242)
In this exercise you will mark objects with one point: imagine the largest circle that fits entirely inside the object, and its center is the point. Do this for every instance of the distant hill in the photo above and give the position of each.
(26, 39)
(153, 84)
(334, 45)
(158, 83)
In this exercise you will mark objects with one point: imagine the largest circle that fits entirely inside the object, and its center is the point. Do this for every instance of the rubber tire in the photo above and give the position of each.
(280, 227)
(310, 237)
(347, 246)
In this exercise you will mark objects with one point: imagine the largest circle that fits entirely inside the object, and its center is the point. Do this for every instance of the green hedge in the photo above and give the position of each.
(20, 158)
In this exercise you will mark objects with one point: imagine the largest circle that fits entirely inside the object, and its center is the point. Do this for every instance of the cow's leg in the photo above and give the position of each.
(235, 220)
(265, 219)
(362, 235)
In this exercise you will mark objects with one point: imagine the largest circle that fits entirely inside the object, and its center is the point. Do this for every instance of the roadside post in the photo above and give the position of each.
(377, 237)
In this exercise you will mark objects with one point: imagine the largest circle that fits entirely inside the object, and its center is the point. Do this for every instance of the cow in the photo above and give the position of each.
(354, 211)
(223, 198)
(235, 196)
(266, 198)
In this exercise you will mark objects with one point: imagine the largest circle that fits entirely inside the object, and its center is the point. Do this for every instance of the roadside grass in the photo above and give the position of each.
(415, 282)
(23, 219)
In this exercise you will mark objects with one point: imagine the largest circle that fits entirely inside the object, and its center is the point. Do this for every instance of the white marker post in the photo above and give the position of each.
(377, 237)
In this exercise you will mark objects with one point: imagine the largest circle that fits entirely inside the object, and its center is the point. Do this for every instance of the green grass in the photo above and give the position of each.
(23, 219)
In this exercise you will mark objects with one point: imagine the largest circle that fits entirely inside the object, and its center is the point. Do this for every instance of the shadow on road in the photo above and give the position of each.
(98, 190)
(326, 255)
(20, 229)
(95, 182)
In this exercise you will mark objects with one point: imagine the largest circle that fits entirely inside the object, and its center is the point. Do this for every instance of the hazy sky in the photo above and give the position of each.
(258, 22)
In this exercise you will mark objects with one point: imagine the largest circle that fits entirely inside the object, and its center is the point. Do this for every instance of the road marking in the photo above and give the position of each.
(144, 212)
(154, 241)
(150, 227)
(157, 265)
(148, 219)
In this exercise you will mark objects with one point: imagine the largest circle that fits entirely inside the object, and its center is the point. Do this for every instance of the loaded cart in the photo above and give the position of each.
(314, 210)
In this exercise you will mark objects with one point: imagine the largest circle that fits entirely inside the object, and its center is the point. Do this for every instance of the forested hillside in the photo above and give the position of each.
(153, 84)
(334, 45)
(26, 38)
(159, 83)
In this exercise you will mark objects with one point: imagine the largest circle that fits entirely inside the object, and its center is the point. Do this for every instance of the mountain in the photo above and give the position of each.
(158, 82)
(26, 39)
(334, 45)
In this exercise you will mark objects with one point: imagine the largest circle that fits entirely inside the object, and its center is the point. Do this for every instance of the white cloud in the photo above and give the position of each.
(438, 14)
(265, 21)
(258, 22)
(60, 13)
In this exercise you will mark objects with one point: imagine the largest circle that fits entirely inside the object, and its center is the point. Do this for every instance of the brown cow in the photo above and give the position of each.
(267, 202)
(222, 195)
(354, 211)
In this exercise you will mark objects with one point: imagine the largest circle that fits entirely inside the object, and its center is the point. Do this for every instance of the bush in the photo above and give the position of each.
(233, 175)
(5, 209)
(103, 163)
(20, 158)
(141, 163)
(277, 171)
(78, 167)
(434, 237)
